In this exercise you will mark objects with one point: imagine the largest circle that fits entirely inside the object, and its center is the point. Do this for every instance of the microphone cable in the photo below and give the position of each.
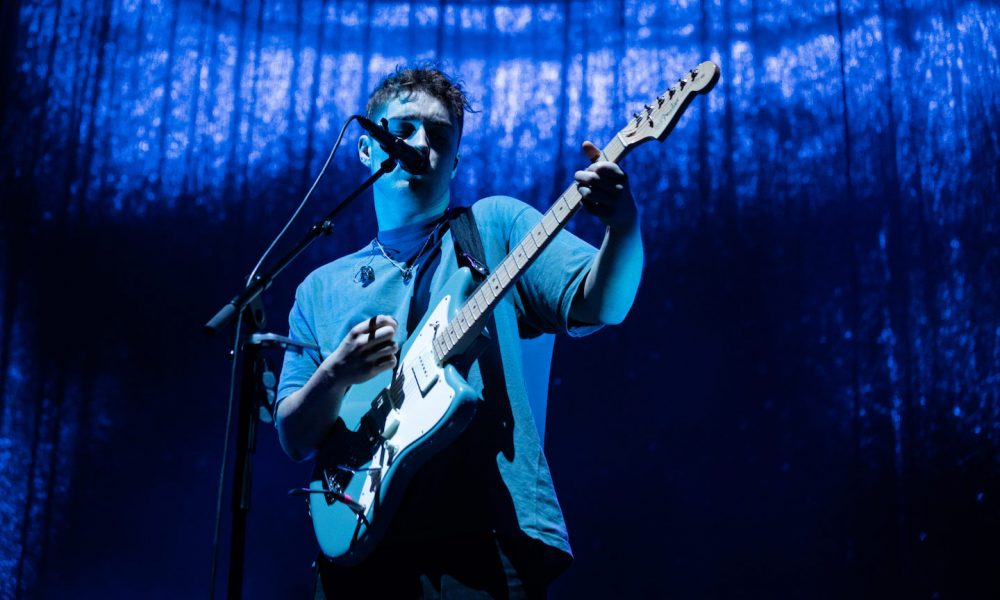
(235, 355)
(305, 199)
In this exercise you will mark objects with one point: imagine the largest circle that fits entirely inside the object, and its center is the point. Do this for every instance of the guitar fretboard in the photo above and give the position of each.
(655, 122)
(455, 337)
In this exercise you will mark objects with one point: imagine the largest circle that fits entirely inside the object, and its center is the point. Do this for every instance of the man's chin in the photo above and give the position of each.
(419, 185)
(404, 174)
(415, 188)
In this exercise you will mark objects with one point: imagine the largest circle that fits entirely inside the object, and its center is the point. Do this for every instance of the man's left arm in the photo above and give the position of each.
(613, 280)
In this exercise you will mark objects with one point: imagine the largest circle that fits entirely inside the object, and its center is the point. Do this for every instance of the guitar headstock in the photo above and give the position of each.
(655, 121)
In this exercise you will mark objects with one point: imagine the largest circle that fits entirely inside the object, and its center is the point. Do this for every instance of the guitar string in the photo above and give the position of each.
(571, 196)
(409, 386)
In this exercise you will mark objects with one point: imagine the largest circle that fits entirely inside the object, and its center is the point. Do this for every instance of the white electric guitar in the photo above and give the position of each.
(389, 426)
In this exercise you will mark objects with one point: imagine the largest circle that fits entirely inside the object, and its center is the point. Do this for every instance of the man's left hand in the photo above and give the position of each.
(605, 190)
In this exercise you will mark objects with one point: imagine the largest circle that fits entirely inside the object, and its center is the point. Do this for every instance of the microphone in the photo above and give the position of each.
(409, 158)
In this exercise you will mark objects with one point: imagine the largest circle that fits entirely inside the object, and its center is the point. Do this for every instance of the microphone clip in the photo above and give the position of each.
(408, 157)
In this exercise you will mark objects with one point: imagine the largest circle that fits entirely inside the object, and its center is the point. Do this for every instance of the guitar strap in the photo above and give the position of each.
(470, 253)
(468, 244)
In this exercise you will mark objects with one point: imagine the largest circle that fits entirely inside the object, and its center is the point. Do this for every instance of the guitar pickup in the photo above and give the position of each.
(424, 373)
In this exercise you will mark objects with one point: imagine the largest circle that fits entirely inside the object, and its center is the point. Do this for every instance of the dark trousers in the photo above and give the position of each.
(468, 566)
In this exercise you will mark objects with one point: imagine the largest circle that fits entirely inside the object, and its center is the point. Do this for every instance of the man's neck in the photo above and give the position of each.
(392, 212)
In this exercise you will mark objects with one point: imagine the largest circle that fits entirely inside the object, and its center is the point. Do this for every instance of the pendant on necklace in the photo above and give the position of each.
(365, 275)
(407, 275)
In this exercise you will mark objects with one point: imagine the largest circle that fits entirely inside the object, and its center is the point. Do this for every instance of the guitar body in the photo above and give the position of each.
(434, 403)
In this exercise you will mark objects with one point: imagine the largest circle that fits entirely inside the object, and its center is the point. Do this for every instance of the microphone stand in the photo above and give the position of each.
(248, 305)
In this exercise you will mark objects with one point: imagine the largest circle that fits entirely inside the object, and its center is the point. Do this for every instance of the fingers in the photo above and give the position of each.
(374, 340)
(368, 349)
(377, 351)
(381, 334)
(376, 328)
(602, 184)
(592, 152)
(380, 355)
(379, 321)
(604, 188)
(600, 164)
(607, 180)
(383, 364)
(602, 174)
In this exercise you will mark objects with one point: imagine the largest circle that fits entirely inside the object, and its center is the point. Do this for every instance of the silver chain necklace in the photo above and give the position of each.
(407, 272)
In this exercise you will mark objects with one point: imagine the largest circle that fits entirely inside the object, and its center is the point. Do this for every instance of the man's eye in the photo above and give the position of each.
(402, 130)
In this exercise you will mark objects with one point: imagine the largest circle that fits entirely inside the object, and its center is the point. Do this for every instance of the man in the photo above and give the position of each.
(481, 518)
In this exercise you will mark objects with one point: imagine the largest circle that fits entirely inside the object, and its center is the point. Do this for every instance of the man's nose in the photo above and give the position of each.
(419, 139)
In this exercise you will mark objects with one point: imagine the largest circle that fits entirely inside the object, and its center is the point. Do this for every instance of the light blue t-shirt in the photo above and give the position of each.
(494, 476)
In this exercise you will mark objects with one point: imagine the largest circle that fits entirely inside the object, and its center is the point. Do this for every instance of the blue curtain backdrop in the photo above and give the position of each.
(803, 403)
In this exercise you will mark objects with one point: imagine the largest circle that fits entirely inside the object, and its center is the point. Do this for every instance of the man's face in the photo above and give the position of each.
(424, 123)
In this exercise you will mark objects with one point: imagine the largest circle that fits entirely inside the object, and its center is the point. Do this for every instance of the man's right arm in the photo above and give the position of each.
(304, 416)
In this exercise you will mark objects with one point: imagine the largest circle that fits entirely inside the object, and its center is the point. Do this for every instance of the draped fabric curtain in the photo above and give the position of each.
(817, 340)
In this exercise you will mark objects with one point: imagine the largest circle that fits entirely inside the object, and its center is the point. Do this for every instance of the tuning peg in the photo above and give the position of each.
(672, 92)
(659, 100)
(683, 83)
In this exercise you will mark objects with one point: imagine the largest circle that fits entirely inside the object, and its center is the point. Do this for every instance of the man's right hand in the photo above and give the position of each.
(304, 417)
(368, 349)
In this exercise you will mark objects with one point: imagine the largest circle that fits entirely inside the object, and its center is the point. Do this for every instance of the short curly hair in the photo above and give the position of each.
(421, 78)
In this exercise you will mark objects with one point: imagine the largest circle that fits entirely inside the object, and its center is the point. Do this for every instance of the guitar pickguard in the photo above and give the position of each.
(424, 401)
(377, 445)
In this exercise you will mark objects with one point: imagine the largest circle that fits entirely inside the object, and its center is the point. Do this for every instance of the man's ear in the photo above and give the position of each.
(365, 150)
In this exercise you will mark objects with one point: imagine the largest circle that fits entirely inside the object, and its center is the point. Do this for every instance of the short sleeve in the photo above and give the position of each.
(544, 295)
(298, 367)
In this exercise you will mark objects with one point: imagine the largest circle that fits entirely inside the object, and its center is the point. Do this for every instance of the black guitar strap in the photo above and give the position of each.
(488, 430)
(468, 244)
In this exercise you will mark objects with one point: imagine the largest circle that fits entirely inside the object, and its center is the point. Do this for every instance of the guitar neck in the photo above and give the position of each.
(455, 337)
(656, 121)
